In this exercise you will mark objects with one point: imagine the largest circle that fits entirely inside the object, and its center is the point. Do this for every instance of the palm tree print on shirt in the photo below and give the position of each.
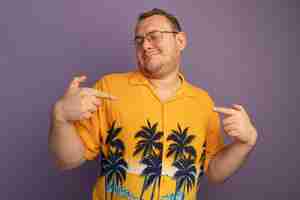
(185, 175)
(184, 159)
(181, 147)
(202, 162)
(114, 166)
(152, 173)
(149, 142)
(151, 148)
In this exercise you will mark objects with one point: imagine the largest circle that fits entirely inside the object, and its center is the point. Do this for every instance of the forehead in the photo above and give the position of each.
(155, 22)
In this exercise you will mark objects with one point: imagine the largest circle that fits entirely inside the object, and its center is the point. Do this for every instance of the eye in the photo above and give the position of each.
(154, 36)
(138, 40)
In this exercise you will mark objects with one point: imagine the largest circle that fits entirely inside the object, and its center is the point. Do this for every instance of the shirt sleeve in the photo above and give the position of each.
(91, 130)
(214, 139)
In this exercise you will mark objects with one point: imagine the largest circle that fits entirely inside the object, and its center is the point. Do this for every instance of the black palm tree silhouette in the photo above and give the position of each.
(114, 167)
(202, 162)
(181, 144)
(149, 143)
(152, 173)
(112, 141)
(185, 175)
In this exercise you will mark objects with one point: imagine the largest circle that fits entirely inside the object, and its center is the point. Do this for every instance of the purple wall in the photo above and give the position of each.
(240, 51)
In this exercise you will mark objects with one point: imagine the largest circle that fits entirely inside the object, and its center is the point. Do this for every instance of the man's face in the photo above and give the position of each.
(158, 58)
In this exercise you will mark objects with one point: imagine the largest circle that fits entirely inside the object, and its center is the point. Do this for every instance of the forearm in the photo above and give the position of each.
(228, 161)
(64, 143)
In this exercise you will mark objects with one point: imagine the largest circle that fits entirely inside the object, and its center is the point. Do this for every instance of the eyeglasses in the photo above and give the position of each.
(154, 37)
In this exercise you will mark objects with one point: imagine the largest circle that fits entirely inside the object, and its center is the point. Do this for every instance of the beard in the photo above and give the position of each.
(151, 66)
(156, 65)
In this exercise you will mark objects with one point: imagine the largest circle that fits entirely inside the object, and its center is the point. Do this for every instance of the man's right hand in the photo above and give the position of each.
(79, 103)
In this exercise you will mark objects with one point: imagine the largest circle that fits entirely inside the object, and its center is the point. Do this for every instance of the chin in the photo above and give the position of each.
(152, 70)
(153, 66)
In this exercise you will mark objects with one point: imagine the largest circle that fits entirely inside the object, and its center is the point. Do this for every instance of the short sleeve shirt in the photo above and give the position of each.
(148, 148)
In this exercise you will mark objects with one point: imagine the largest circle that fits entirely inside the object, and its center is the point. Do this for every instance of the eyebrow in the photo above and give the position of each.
(140, 36)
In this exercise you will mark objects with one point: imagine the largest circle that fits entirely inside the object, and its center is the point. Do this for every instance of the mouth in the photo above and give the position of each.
(150, 55)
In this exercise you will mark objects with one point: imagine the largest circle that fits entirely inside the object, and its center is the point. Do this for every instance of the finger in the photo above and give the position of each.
(92, 108)
(88, 92)
(237, 107)
(233, 133)
(86, 115)
(242, 111)
(96, 101)
(88, 105)
(106, 95)
(96, 93)
(223, 110)
(77, 81)
(232, 127)
(229, 120)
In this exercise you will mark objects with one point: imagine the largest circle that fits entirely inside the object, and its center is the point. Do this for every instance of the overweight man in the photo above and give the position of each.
(153, 133)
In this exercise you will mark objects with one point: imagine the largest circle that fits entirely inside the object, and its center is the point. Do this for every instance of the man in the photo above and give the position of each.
(153, 133)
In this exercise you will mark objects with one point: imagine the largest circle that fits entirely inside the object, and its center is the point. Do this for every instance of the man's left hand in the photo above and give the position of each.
(237, 124)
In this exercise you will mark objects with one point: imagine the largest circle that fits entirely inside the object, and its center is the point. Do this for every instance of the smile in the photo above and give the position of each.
(149, 55)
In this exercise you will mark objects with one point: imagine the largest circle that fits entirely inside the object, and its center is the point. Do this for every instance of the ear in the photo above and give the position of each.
(181, 39)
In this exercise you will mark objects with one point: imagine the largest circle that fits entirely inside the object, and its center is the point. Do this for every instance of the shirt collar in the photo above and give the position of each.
(186, 89)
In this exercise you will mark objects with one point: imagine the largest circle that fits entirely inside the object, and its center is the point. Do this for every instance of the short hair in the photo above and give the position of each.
(156, 11)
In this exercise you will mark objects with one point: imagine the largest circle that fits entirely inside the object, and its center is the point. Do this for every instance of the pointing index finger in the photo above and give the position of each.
(105, 95)
(223, 110)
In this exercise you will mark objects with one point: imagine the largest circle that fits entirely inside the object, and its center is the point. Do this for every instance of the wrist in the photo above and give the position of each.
(251, 142)
(253, 138)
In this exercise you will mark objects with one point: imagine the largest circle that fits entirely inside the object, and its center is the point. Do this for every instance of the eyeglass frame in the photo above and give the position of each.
(139, 44)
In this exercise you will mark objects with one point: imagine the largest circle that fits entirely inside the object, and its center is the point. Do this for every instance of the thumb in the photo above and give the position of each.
(75, 83)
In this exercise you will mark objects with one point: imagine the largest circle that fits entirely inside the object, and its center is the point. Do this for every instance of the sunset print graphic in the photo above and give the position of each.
(145, 162)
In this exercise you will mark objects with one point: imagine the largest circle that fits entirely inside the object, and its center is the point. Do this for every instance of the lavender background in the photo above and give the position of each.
(240, 51)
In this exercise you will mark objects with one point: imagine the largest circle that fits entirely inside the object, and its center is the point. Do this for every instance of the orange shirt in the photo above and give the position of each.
(146, 148)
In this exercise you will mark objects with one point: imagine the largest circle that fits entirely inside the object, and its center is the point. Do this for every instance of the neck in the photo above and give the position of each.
(168, 82)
